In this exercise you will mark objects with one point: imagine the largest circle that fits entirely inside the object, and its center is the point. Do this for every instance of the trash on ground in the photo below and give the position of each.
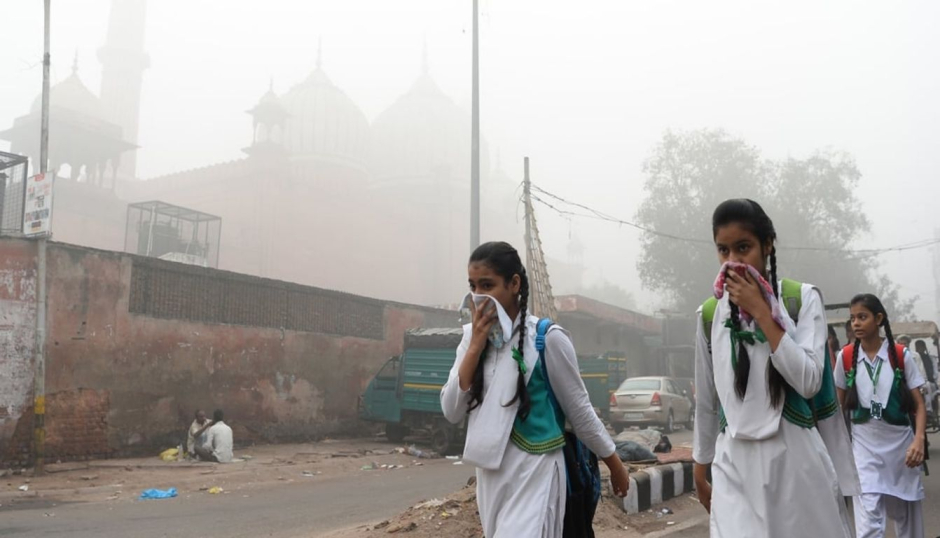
(158, 493)
(24, 488)
(453, 457)
(90, 477)
(170, 454)
(423, 454)
(433, 503)
(666, 511)
(310, 473)
(632, 451)
(458, 463)
(215, 490)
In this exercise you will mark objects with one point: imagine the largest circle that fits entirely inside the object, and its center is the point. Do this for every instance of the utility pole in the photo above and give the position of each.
(39, 375)
(475, 137)
(541, 298)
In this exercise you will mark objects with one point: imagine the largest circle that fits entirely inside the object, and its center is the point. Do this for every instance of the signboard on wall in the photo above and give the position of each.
(37, 212)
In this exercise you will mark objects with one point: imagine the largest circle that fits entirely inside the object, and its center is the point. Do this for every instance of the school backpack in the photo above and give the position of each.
(849, 350)
(581, 466)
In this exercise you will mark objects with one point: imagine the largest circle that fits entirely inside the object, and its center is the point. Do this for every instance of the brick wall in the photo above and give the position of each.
(17, 342)
(136, 345)
(77, 424)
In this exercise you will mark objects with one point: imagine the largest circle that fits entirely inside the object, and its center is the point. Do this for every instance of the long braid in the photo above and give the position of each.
(907, 399)
(743, 367)
(851, 394)
(522, 395)
(776, 384)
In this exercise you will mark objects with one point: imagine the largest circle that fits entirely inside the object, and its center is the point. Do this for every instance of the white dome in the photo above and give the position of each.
(324, 122)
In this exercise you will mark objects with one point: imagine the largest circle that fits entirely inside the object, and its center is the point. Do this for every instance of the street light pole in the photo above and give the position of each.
(39, 374)
(475, 137)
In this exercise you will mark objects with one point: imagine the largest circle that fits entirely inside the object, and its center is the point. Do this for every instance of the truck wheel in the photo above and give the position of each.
(442, 438)
(395, 432)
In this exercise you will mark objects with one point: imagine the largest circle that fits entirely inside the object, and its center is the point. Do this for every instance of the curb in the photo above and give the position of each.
(654, 485)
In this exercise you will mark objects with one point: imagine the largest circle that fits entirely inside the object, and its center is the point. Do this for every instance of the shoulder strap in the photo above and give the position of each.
(847, 352)
(792, 295)
(708, 316)
(900, 351)
(541, 330)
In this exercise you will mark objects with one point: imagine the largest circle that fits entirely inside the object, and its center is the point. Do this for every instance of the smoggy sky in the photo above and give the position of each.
(585, 89)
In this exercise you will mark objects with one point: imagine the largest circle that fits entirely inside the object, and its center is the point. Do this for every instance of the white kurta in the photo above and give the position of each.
(523, 495)
(770, 477)
(880, 447)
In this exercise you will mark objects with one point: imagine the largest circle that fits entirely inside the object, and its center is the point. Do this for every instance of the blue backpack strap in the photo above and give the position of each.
(541, 330)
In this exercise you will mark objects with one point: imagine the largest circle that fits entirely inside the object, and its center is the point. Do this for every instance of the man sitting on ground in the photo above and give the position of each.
(196, 436)
(218, 447)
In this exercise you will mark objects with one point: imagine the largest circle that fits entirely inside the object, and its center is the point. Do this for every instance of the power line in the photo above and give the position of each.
(599, 215)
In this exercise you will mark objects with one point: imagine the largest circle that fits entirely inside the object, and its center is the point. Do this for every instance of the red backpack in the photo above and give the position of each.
(848, 350)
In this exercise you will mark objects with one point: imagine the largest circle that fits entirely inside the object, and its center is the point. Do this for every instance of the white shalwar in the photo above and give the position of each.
(521, 495)
(770, 477)
(890, 489)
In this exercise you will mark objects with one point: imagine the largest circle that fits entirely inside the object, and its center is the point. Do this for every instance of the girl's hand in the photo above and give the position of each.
(620, 479)
(482, 321)
(915, 453)
(703, 490)
(745, 292)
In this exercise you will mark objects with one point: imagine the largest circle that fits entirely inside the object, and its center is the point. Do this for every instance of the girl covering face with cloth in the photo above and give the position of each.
(759, 378)
(879, 386)
(515, 437)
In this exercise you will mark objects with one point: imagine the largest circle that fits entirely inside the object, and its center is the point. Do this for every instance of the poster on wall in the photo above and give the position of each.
(37, 212)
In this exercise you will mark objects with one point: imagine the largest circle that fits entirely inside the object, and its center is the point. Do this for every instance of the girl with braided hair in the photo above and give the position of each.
(879, 386)
(515, 433)
(766, 416)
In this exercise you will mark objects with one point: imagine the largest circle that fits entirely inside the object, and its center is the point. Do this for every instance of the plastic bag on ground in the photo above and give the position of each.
(158, 493)
(170, 454)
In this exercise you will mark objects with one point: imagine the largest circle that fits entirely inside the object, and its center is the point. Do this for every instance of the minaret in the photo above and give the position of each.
(123, 62)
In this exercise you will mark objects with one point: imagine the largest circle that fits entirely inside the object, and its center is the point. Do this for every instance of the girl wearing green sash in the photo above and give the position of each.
(879, 386)
(515, 432)
(757, 378)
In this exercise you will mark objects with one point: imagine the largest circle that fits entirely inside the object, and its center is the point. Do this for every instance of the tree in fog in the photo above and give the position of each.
(811, 201)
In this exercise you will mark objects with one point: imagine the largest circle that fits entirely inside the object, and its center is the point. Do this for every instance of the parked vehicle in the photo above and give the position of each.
(405, 393)
(658, 401)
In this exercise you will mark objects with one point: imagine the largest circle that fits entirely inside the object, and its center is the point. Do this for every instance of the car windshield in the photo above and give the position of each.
(640, 384)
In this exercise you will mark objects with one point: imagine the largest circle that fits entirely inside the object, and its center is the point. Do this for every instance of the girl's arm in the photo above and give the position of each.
(455, 395)
(572, 396)
(706, 414)
(838, 378)
(800, 359)
(915, 453)
(565, 378)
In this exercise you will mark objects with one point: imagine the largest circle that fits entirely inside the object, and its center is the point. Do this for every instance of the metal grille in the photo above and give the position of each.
(13, 170)
(204, 295)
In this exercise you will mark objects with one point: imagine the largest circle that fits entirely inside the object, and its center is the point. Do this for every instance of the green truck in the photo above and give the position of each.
(405, 393)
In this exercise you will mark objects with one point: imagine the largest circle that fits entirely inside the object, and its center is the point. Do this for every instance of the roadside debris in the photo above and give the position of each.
(158, 494)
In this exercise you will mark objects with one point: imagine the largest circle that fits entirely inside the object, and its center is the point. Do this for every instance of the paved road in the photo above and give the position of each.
(286, 511)
(931, 516)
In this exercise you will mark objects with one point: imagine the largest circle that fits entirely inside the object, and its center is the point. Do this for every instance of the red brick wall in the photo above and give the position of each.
(138, 373)
(17, 342)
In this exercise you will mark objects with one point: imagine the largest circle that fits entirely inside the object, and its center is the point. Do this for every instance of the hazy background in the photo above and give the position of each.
(583, 88)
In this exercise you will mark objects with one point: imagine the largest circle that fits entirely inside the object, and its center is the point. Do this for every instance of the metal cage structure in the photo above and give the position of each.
(169, 232)
(13, 171)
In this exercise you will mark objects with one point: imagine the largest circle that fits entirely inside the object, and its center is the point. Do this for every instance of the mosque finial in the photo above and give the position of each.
(425, 65)
(320, 52)
(75, 63)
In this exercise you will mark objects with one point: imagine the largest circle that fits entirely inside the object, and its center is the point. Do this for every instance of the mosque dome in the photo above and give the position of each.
(323, 122)
(423, 134)
(72, 94)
